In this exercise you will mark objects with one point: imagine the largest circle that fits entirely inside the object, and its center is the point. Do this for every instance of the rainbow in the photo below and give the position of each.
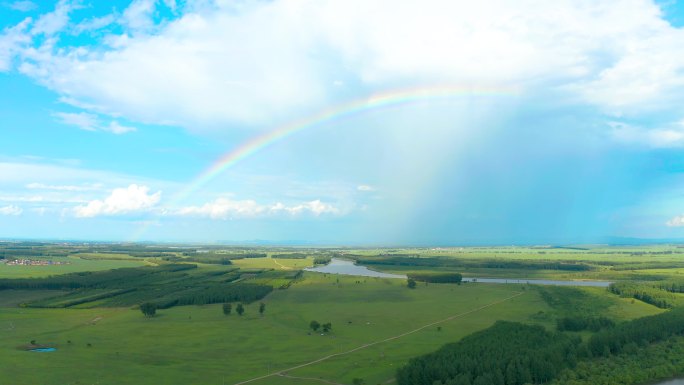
(355, 107)
(378, 101)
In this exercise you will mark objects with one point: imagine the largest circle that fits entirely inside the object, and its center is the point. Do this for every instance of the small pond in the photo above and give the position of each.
(346, 267)
(43, 350)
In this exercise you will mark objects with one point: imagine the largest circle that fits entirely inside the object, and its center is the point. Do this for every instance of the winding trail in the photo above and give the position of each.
(308, 379)
(283, 373)
(281, 265)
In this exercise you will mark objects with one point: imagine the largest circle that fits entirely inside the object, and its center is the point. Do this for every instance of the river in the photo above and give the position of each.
(346, 267)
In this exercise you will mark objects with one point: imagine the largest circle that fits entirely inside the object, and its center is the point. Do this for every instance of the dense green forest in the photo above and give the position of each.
(507, 353)
(516, 354)
(165, 286)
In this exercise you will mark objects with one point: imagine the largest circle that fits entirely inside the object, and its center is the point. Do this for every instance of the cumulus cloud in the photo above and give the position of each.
(258, 62)
(224, 208)
(91, 122)
(677, 221)
(133, 199)
(11, 210)
(668, 137)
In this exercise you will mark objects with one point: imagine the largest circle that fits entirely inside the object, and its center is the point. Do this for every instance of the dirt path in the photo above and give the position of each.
(283, 372)
(281, 265)
(309, 379)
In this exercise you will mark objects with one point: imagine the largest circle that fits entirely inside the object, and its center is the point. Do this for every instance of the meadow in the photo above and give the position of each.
(378, 325)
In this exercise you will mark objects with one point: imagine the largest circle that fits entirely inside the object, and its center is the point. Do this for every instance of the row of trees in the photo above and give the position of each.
(117, 278)
(240, 308)
(149, 309)
(437, 277)
(474, 263)
(235, 292)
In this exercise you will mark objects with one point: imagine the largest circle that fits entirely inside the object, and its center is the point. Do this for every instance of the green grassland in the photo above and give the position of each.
(75, 264)
(377, 324)
(199, 345)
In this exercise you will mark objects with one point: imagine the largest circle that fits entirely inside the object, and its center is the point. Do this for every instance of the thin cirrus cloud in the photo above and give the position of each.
(224, 208)
(21, 5)
(90, 122)
(84, 187)
(264, 61)
(11, 210)
(663, 137)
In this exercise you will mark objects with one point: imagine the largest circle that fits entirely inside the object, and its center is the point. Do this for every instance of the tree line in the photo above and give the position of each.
(436, 277)
(465, 263)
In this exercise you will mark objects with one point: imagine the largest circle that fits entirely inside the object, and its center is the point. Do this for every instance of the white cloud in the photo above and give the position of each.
(677, 221)
(85, 187)
(670, 137)
(129, 200)
(11, 210)
(82, 120)
(90, 122)
(22, 5)
(138, 15)
(224, 208)
(55, 21)
(12, 40)
(259, 62)
(365, 187)
(116, 128)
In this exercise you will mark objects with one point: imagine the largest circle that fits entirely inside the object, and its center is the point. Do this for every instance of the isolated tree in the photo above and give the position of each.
(262, 308)
(227, 308)
(314, 325)
(148, 309)
(358, 381)
(411, 283)
(240, 309)
(327, 327)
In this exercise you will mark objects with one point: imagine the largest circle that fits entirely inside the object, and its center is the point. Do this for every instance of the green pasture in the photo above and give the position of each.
(273, 262)
(75, 265)
(199, 345)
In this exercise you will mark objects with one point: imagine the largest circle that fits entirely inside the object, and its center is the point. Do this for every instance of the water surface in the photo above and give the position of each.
(346, 267)
(43, 350)
(676, 381)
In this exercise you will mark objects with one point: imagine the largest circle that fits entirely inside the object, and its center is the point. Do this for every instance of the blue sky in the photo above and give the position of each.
(568, 126)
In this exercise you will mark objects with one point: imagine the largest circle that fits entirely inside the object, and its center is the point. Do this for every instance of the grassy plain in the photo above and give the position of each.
(199, 345)
(75, 264)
